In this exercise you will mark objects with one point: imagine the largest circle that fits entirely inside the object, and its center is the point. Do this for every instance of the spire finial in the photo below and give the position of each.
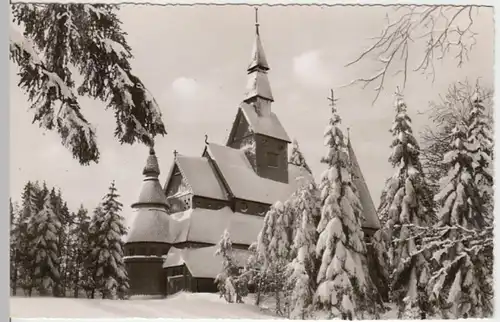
(348, 134)
(332, 99)
(206, 139)
(257, 20)
(175, 153)
(152, 147)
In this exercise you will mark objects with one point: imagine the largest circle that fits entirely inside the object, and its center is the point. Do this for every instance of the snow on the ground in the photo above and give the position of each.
(181, 305)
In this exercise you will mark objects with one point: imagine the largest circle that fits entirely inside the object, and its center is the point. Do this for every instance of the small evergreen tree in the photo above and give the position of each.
(461, 243)
(342, 276)
(303, 270)
(44, 228)
(107, 231)
(230, 286)
(274, 248)
(297, 158)
(405, 209)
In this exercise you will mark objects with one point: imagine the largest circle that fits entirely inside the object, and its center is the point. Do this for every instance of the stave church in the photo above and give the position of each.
(175, 228)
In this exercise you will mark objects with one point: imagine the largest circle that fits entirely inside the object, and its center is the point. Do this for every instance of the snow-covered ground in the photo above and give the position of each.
(181, 305)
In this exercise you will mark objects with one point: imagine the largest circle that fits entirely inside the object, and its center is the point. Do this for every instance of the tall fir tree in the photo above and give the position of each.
(297, 158)
(461, 243)
(230, 286)
(78, 250)
(24, 238)
(342, 277)
(303, 269)
(44, 254)
(406, 210)
(107, 227)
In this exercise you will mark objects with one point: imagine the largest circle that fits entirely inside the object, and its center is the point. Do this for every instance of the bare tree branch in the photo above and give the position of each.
(444, 30)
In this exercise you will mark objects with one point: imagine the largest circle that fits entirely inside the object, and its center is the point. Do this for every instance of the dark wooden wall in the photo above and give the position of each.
(146, 275)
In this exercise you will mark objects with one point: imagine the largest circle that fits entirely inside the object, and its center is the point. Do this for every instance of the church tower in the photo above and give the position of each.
(256, 127)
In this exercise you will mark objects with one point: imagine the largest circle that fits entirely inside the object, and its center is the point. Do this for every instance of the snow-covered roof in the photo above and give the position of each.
(371, 219)
(149, 225)
(268, 125)
(245, 184)
(196, 225)
(258, 56)
(258, 85)
(201, 177)
(207, 226)
(151, 193)
(202, 262)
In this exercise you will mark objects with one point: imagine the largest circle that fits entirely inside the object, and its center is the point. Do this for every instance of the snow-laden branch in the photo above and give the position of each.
(45, 88)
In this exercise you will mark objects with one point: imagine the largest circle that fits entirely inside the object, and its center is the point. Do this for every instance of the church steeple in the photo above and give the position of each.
(258, 88)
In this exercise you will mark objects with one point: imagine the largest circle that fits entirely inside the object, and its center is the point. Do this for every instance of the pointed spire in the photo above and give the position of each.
(258, 83)
(259, 60)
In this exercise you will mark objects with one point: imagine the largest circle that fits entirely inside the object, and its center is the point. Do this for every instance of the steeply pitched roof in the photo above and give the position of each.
(268, 125)
(200, 177)
(202, 262)
(245, 184)
(371, 219)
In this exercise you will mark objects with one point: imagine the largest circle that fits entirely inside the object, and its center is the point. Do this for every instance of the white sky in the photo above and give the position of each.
(194, 58)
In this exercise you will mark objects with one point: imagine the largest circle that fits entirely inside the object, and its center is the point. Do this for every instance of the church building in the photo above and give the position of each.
(172, 239)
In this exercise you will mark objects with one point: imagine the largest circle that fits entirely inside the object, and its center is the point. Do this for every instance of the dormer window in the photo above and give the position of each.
(244, 207)
(272, 159)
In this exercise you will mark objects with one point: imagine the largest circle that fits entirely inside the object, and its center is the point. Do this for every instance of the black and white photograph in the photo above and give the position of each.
(251, 161)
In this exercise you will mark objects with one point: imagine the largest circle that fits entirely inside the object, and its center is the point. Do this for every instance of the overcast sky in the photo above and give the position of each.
(194, 58)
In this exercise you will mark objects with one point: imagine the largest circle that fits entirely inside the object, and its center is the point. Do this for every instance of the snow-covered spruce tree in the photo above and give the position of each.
(107, 231)
(89, 37)
(44, 252)
(230, 286)
(79, 247)
(406, 210)
(303, 271)
(297, 158)
(342, 278)
(253, 272)
(480, 143)
(461, 243)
